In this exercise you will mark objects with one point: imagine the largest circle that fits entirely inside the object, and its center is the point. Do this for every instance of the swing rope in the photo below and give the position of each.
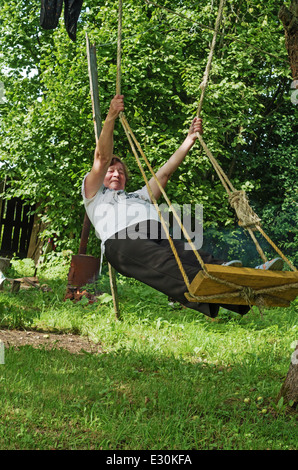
(238, 200)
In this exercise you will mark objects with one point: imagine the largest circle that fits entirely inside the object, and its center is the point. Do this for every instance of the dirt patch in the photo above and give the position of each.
(73, 343)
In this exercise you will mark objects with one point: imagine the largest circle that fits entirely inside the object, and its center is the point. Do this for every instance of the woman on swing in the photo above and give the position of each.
(129, 227)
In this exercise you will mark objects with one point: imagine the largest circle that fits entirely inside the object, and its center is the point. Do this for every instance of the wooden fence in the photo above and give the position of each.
(15, 227)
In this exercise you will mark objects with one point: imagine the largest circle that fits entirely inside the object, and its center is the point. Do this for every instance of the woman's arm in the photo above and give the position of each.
(104, 148)
(165, 172)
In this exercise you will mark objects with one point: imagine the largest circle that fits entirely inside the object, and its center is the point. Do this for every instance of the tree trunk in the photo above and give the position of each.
(289, 390)
(289, 18)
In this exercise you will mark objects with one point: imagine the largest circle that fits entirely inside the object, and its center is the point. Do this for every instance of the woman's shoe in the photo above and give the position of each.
(275, 264)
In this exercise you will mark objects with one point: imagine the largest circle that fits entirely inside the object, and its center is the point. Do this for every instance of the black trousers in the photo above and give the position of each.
(151, 261)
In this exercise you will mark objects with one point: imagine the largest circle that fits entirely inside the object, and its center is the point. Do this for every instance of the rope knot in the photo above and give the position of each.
(248, 294)
(247, 217)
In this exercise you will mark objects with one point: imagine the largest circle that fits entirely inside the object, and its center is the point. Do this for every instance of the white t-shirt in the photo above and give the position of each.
(111, 211)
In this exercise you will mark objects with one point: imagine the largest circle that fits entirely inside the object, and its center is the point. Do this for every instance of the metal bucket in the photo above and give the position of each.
(84, 268)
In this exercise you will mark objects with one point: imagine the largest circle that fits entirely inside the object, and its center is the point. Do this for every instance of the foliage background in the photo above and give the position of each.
(250, 122)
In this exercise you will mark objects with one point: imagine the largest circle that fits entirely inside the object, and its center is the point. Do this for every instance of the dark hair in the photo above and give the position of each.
(117, 159)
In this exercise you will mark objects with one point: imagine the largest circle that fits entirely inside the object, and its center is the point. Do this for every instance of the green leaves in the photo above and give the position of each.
(46, 127)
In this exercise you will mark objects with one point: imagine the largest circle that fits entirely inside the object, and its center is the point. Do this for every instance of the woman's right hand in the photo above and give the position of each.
(116, 106)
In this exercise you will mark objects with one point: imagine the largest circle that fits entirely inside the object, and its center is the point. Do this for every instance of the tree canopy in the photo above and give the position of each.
(250, 121)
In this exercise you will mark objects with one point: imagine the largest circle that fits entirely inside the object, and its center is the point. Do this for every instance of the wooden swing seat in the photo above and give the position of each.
(255, 279)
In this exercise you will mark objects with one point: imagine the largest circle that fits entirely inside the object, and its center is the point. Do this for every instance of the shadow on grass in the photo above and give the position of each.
(137, 400)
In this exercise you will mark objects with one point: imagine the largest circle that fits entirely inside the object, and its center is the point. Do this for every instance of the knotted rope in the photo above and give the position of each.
(247, 217)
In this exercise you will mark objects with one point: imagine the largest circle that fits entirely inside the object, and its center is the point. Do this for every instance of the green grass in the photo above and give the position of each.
(168, 378)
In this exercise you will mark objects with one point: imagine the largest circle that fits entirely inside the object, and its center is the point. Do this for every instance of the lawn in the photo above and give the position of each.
(167, 378)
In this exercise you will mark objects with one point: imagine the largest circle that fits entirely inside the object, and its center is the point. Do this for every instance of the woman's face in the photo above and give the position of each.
(115, 177)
